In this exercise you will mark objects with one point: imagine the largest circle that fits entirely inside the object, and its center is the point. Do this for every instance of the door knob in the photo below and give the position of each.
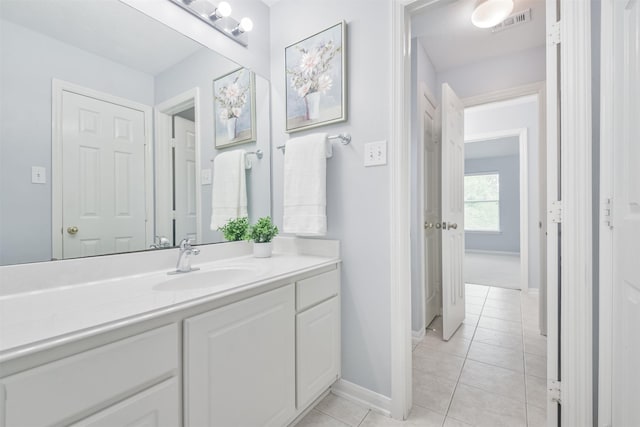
(438, 225)
(452, 225)
(428, 225)
(72, 230)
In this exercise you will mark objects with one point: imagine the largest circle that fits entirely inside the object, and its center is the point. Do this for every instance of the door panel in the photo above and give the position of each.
(453, 290)
(185, 179)
(431, 173)
(626, 217)
(103, 177)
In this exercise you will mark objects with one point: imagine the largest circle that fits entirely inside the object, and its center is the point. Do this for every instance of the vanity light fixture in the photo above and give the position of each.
(219, 17)
(489, 13)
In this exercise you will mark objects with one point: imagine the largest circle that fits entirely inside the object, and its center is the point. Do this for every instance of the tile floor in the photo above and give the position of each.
(490, 373)
(492, 269)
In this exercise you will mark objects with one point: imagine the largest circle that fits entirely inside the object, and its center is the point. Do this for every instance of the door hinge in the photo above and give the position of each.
(554, 34)
(173, 214)
(554, 391)
(555, 212)
(173, 142)
(607, 212)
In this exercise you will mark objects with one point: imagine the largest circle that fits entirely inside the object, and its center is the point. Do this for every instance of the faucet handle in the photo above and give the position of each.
(185, 243)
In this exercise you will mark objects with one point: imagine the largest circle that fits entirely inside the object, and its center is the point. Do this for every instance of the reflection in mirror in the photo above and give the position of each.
(107, 132)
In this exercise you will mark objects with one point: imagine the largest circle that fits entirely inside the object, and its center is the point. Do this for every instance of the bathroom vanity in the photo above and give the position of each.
(241, 342)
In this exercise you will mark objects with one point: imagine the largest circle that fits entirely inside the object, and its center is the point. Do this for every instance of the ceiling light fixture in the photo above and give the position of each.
(219, 17)
(489, 13)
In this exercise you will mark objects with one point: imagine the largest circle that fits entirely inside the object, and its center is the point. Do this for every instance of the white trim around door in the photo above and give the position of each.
(57, 89)
(523, 193)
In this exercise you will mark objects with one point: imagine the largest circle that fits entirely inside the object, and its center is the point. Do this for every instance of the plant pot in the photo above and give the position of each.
(262, 250)
(231, 127)
(313, 105)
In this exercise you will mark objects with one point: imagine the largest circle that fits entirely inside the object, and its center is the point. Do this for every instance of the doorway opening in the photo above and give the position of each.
(178, 152)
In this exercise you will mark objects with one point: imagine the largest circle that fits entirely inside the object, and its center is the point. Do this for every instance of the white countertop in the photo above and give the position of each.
(37, 320)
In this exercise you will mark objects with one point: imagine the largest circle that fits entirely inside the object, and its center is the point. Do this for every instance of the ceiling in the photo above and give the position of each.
(108, 28)
(451, 40)
(499, 147)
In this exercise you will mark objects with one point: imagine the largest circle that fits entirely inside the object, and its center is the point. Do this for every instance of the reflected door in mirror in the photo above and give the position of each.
(184, 165)
(103, 177)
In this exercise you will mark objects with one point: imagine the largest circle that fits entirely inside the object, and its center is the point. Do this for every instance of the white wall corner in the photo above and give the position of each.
(365, 397)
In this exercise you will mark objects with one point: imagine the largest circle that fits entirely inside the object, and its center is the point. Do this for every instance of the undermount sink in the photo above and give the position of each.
(207, 278)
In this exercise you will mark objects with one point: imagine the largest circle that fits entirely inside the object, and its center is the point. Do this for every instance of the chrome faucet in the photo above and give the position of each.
(184, 257)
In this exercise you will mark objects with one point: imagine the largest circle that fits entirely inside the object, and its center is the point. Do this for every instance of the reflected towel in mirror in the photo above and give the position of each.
(305, 184)
(229, 189)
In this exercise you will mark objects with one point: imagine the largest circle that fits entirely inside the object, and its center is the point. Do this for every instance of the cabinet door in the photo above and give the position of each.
(318, 350)
(154, 407)
(239, 363)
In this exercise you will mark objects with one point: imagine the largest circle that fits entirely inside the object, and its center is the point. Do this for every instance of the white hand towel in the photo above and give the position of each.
(229, 189)
(305, 185)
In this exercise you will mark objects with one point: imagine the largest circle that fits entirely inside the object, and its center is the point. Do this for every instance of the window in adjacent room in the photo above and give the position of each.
(482, 202)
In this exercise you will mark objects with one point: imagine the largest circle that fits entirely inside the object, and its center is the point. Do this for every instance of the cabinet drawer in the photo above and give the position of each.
(316, 289)
(76, 386)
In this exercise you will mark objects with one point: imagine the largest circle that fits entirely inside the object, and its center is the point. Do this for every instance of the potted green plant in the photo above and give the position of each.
(235, 229)
(262, 232)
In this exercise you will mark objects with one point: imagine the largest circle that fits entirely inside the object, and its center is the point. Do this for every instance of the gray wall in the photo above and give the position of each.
(198, 71)
(357, 197)
(28, 63)
(516, 115)
(508, 239)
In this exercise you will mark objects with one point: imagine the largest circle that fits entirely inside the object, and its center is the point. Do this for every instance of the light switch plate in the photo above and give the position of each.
(205, 177)
(375, 153)
(38, 175)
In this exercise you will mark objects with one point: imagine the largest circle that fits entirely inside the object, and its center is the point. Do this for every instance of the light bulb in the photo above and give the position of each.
(222, 11)
(490, 13)
(246, 25)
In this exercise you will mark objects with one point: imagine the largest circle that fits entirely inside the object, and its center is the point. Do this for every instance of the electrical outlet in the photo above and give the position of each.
(375, 153)
(38, 175)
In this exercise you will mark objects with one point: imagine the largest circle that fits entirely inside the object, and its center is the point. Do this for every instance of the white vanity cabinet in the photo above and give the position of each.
(239, 365)
(317, 336)
(121, 373)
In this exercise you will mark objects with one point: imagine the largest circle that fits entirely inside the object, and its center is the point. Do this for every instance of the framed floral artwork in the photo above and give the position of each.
(316, 79)
(234, 108)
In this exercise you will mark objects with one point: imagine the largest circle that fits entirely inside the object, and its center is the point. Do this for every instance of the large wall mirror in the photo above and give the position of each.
(107, 140)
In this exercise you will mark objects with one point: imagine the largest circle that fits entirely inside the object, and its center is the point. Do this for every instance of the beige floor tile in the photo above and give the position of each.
(318, 419)
(472, 299)
(509, 295)
(536, 391)
(465, 331)
(436, 323)
(452, 422)
(436, 363)
(471, 319)
(504, 382)
(497, 356)
(502, 339)
(535, 345)
(508, 304)
(501, 313)
(432, 392)
(500, 325)
(456, 345)
(473, 309)
(419, 417)
(536, 417)
(476, 290)
(535, 365)
(485, 409)
(342, 409)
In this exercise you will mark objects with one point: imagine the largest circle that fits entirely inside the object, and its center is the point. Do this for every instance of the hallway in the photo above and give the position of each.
(491, 373)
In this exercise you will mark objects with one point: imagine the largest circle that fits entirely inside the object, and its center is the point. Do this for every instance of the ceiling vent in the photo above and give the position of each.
(513, 21)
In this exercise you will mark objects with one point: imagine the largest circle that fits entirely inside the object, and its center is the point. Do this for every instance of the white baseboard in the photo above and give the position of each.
(363, 396)
(417, 336)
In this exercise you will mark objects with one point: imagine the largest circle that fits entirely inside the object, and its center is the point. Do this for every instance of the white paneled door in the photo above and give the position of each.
(453, 289)
(626, 216)
(103, 177)
(431, 173)
(184, 194)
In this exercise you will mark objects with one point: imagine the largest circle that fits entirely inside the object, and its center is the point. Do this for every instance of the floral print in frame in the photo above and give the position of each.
(234, 108)
(316, 79)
